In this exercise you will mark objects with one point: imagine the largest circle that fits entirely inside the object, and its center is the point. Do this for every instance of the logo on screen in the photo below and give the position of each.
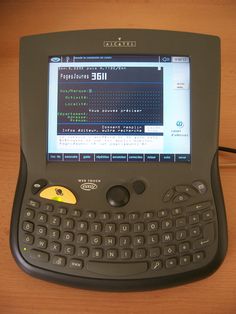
(119, 43)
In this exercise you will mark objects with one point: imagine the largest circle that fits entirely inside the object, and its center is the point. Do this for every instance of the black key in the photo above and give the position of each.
(48, 207)
(154, 252)
(82, 238)
(124, 241)
(110, 228)
(116, 269)
(61, 210)
(90, 215)
(76, 264)
(82, 226)
(207, 215)
(28, 226)
(156, 265)
(28, 238)
(185, 260)
(208, 237)
(167, 237)
(193, 219)
(169, 250)
(38, 185)
(133, 216)
(33, 203)
(41, 230)
(59, 260)
(181, 198)
(97, 253)
(198, 257)
(55, 247)
(180, 222)
(124, 228)
(68, 236)
(29, 214)
(125, 254)
(109, 241)
(111, 254)
(166, 224)
(139, 227)
(140, 253)
(199, 206)
(177, 211)
(96, 240)
(180, 235)
(75, 212)
(42, 218)
(152, 239)
(152, 226)
(104, 216)
(41, 243)
(96, 227)
(184, 247)
(83, 252)
(148, 215)
(200, 186)
(39, 255)
(185, 189)
(55, 221)
(69, 250)
(195, 232)
(119, 216)
(171, 263)
(54, 234)
(162, 213)
(138, 240)
(168, 195)
(68, 223)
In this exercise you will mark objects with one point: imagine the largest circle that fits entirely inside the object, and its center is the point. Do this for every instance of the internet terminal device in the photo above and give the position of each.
(119, 186)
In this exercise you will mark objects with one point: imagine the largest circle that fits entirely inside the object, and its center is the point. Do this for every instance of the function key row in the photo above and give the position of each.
(90, 215)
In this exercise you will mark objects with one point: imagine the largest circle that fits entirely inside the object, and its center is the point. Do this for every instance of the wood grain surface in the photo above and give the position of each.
(22, 294)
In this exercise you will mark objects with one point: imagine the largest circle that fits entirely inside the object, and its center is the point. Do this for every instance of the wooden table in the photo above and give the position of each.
(20, 293)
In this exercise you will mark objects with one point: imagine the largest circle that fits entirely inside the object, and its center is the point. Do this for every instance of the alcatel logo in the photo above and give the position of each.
(119, 43)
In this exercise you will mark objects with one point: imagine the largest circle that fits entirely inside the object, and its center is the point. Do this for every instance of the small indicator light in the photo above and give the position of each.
(24, 249)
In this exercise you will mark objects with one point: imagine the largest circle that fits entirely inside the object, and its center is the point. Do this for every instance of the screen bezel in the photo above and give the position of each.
(205, 86)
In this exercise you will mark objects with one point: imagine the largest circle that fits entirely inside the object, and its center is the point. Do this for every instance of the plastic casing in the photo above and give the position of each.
(204, 51)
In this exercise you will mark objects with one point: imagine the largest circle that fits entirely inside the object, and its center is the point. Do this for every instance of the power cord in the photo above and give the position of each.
(227, 150)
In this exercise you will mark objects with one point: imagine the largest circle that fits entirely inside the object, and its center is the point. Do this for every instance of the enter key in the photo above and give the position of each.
(208, 237)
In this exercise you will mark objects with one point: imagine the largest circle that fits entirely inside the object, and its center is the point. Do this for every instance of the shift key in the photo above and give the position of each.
(39, 255)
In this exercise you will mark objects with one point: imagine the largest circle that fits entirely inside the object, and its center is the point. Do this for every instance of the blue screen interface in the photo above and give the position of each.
(121, 108)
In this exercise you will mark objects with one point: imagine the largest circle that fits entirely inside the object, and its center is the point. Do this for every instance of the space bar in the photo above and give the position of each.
(116, 269)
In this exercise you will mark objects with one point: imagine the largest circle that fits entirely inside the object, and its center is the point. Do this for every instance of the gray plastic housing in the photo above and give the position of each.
(204, 51)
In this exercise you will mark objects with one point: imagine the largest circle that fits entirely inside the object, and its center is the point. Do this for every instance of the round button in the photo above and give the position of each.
(139, 186)
(118, 196)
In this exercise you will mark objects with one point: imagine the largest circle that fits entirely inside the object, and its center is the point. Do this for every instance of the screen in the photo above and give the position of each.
(120, 108)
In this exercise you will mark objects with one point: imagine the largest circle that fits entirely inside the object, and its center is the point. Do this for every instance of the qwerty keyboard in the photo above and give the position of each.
(117, 244)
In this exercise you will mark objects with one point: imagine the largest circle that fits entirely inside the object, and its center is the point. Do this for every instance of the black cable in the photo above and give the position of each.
(227, 149)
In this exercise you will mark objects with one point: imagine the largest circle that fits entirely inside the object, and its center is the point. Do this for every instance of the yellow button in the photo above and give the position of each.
(59, 194)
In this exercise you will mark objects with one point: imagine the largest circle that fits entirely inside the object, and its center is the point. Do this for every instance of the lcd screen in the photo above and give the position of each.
(120, 108)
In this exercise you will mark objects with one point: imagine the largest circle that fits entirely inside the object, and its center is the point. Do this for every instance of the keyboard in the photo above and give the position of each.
(120, 243)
